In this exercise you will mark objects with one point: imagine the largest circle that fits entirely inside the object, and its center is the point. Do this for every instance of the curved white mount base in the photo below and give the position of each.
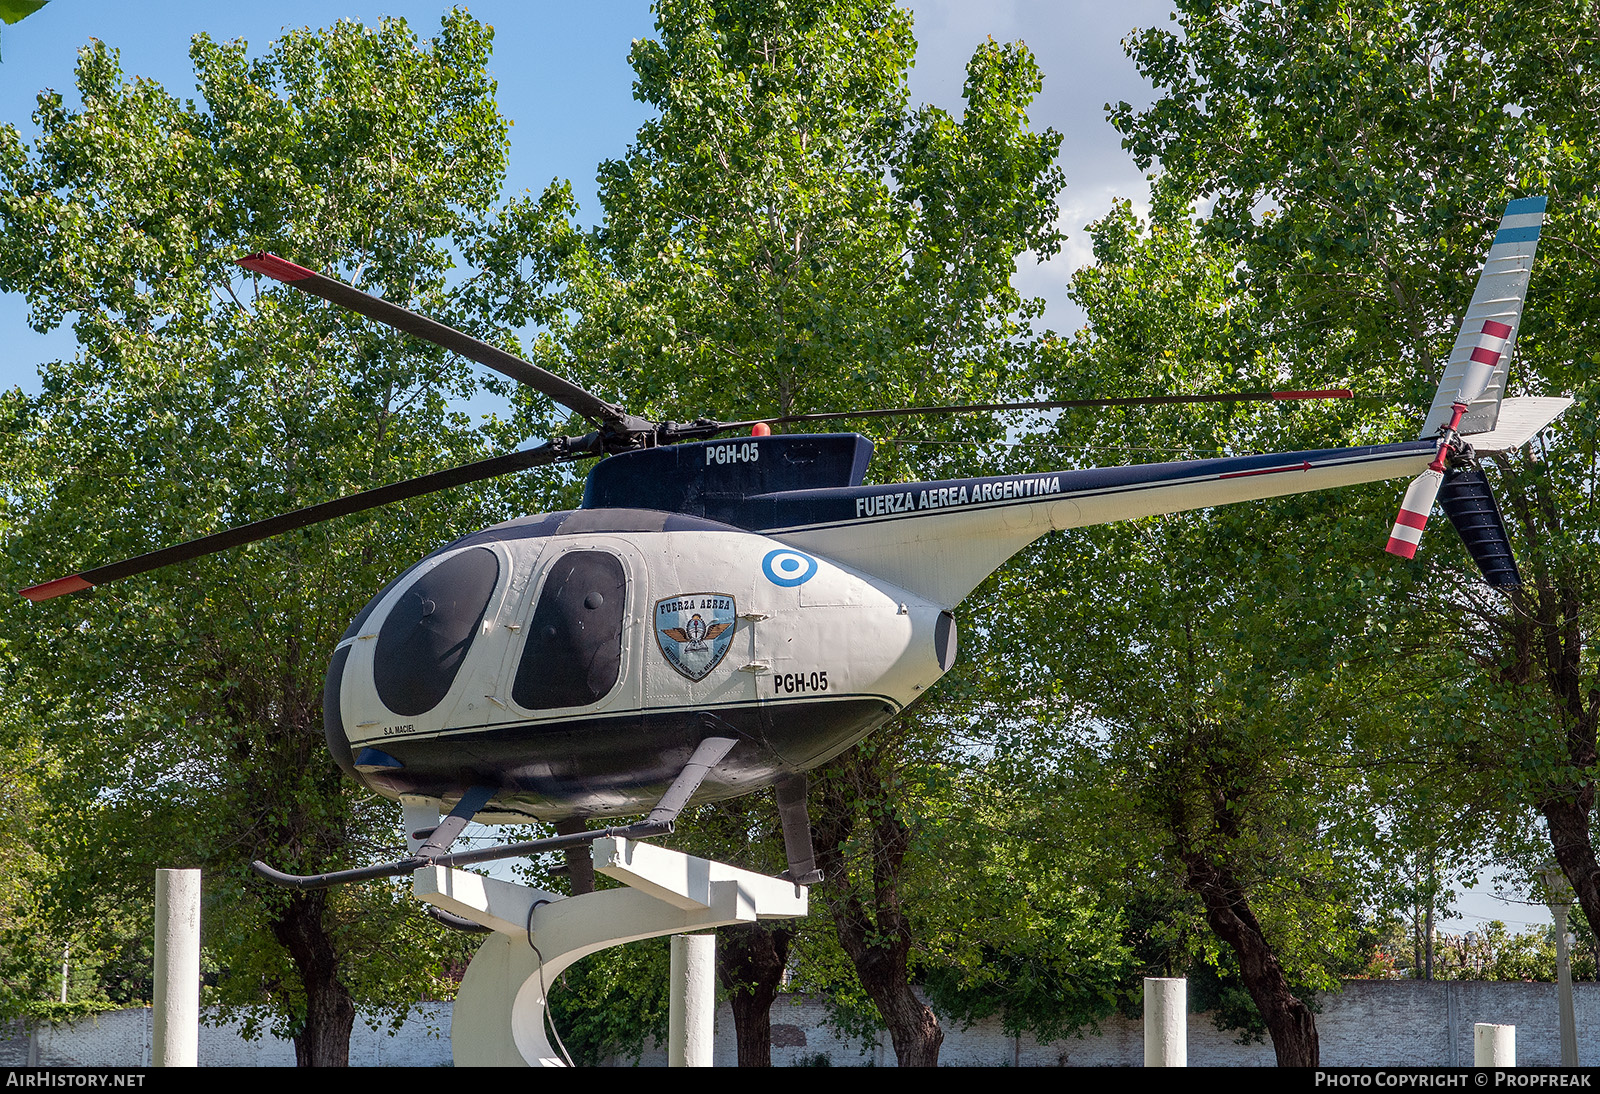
(499, 1018)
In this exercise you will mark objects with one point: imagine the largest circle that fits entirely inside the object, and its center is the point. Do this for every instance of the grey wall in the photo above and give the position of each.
(1371, 1023)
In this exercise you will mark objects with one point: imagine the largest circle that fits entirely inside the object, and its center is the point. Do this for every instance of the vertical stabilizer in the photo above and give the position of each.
(1488, 332)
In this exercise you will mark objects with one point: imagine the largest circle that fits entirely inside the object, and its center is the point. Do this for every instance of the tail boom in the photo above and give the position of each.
(940, 539)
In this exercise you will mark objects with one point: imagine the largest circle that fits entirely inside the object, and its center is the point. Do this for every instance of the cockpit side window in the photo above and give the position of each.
(425, 638)
(573, 655)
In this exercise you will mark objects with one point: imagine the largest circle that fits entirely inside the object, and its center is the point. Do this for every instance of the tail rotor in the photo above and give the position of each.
(1414, 510)
(1470, 413)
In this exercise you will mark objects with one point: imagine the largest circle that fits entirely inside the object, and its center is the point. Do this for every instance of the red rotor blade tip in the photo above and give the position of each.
(271, 265)
(61, 586)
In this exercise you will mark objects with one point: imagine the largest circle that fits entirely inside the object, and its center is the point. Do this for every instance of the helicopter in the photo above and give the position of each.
(723, 614)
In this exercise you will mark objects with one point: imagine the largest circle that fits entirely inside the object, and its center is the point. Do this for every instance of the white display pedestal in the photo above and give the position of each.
(499, 1017)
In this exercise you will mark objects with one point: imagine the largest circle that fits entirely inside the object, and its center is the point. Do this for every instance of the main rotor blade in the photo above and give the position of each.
(563, 391)
(554, 452)
(1050, 404)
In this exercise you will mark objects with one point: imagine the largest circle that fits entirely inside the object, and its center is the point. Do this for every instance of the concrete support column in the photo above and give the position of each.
(1494, 1046)
(499, 1014)
(1559, 895)
(693, 1002)
(1166, 1022)
(177, 971)
(1569, 1018)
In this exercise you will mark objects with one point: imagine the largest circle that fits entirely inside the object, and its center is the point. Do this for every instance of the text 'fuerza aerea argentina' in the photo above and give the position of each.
(907, 501)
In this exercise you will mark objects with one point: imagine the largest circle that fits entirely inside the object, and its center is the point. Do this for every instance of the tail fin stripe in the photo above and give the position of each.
(1529, 234)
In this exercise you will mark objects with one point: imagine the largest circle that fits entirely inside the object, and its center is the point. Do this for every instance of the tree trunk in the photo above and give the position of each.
(1568, 819)
(750, 963)
(1289, 1021)
(872, 927)
(580, 860)
(913, 1027)
(1547, 631)
(323, 1039)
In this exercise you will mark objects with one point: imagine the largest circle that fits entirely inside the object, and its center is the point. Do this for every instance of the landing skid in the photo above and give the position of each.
(439, 838)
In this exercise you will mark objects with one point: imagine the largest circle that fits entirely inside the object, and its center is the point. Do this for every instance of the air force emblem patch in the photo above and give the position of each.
(694, 631)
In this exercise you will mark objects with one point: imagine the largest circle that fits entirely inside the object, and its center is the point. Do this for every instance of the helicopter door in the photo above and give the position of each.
(576, 635)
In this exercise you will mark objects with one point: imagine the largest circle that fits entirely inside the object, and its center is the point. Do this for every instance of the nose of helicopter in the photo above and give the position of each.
(575, 670)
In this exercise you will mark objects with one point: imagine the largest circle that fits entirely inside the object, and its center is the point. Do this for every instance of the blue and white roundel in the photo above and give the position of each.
(788, 568)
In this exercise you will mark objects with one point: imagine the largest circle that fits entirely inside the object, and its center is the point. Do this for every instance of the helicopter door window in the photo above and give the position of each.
(574, 652)
(429, 629)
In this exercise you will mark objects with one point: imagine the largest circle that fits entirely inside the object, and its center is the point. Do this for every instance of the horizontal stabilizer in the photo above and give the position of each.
(1520, 419)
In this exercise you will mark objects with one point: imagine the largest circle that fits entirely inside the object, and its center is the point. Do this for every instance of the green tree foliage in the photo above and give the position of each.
(1492, 952)
(182, 709)
(27, 952)
(1017, 923)
(1209, 673)
(613, 1003)
(1358, 158)
(788, 235)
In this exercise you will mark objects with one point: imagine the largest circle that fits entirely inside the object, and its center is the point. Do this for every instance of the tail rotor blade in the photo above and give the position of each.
(1413, 517)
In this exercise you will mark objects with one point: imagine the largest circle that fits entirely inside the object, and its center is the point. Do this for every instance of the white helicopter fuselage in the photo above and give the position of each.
(711, 637)
(574, 661)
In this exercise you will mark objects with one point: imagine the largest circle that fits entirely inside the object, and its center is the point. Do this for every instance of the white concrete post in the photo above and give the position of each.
(1494, 1046)
(177, 972)
(1569, 1018)
(693, 1002)
(417, 814)
(1166, 1022)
